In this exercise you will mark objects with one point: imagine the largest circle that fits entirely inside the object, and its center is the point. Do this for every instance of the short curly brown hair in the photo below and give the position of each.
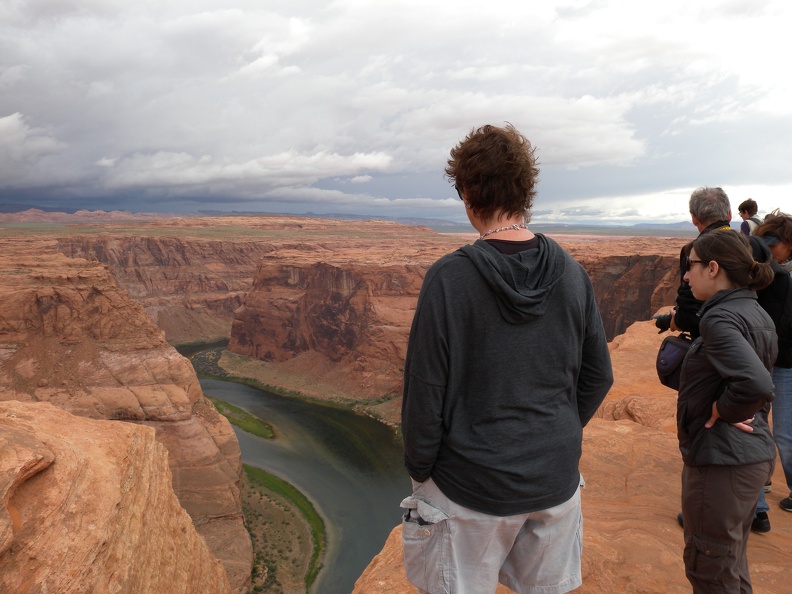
(496, 169)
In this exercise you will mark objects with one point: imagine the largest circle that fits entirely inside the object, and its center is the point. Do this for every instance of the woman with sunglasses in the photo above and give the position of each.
(725, 390)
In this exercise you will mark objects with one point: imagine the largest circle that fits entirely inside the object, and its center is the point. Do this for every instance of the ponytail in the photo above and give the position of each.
(732, 252)
(760, 276)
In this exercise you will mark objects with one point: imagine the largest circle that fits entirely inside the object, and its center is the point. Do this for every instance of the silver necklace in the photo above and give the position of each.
(515, 227)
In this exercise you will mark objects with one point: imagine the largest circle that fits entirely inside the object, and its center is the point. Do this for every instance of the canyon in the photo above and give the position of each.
(89, 311)
(325, 304)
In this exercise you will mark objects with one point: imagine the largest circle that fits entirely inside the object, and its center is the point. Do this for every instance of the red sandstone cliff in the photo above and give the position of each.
(350, 308)
(333, 299)
(189, 286)
(356, 316)
(89, 507)
(71, 337)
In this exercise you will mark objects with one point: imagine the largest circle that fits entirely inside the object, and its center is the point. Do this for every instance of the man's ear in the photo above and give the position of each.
(693, 218)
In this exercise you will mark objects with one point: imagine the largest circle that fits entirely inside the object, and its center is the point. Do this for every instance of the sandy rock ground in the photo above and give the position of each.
(70, 336)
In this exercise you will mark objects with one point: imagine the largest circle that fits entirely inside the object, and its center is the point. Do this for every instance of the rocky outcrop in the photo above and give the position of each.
(88, 507)
(331, 303)
(632, 467)
(71, 337)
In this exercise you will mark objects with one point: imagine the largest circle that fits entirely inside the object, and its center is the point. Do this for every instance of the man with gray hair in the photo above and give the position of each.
(709, 210)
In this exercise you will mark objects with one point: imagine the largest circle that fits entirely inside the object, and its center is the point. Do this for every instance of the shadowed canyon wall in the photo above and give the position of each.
(358, 315)
(70, 336)
(189, 287)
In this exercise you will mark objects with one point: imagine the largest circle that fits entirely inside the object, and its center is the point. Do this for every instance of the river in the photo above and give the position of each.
(349, 465)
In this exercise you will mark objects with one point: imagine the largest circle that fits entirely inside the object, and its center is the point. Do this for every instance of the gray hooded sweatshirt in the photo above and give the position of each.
(506, 363)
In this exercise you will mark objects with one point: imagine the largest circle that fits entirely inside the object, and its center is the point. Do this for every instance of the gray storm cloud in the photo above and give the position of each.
(172, 105)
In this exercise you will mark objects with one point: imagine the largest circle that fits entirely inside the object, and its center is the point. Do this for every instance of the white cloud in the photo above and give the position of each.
(22, 148)
(107, 162)
(173, 170)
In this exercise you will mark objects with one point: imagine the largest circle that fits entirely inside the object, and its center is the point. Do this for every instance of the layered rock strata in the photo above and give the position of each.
(346, 313)
(89, 507)
(333, 299)
(191, 274)
(190, 287)
(356, 317)
(70, 336)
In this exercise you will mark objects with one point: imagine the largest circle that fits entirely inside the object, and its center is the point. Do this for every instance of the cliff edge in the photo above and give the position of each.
(70, 336)
(88, 507)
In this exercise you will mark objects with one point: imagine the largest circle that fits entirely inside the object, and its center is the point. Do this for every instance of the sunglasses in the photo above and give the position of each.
(459, 192)
(689, 263)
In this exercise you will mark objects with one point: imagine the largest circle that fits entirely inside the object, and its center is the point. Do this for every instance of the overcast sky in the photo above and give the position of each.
(351, 106)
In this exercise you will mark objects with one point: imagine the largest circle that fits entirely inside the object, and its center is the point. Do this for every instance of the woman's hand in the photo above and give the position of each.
(742, 426)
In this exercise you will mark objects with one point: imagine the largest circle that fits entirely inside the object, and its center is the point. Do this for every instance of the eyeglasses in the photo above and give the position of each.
(689, 263)
(459, 192)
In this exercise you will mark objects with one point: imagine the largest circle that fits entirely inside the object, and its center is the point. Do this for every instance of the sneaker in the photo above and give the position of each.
(768, 486)
(761, 523)
(681, 520)
(786, 504)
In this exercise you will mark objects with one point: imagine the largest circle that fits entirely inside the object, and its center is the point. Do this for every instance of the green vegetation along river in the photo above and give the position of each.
(350, 466)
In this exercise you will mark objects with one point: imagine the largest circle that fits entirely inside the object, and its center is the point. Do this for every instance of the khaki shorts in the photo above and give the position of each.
(450, 549)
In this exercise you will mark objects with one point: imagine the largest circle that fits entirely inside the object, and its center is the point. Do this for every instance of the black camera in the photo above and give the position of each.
(662, 321)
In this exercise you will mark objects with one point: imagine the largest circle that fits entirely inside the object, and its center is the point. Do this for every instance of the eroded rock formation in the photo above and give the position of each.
(331, 306)
(71, 337)
(356, 316)
(88, 507)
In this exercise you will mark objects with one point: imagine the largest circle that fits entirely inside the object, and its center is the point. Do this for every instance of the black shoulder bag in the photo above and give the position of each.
(669, 359)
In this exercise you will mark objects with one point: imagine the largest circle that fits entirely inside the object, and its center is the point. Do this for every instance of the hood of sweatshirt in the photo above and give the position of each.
(523, 283)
